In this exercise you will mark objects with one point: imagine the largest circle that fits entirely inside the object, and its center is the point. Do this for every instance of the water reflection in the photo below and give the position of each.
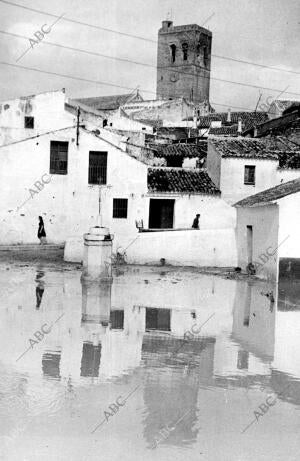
(50, 364)
(114, 336)
(40, 288)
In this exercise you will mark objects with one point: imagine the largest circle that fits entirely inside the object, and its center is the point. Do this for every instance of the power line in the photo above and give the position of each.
(81, 23)
(168, 69)
(98, 82)
(37, 136)
(80, 50)
(242, 61)
(143, 38)
(71, 76)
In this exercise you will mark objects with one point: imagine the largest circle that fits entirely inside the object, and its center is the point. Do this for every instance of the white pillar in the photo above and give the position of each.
(97, 254)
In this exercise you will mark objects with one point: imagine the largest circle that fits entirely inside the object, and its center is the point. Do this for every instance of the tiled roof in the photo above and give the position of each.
(284, 104)
(290, 120)
(248, 118)
(111, 102)
(280, 143)
(72, 107)
(153, 123)
(269, 195)
(243, 148)
(180, 180)
(289, 160)
(224, 131)
(181, 150)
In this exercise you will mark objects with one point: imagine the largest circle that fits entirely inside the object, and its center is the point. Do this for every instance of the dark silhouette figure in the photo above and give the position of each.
(41, 231)
(251, 269)
(39, 290)
(196, 222)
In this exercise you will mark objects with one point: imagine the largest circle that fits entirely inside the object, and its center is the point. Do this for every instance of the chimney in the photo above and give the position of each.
(229, 115)
(166, 24)
(239, 126)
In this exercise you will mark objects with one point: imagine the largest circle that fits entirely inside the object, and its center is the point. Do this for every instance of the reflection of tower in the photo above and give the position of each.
(183, 62)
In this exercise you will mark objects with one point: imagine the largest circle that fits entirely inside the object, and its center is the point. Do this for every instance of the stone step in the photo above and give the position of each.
(32, 247)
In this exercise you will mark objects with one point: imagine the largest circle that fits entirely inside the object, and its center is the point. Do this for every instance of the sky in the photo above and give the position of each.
(265, 32)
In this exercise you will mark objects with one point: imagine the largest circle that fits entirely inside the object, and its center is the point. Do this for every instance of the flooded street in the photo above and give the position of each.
(162, 364)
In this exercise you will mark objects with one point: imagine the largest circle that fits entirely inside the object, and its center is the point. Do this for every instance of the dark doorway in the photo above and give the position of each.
(51, 364)
(161, 214)
(90, 360)
(242, 360)
(117, 320)
(249, 243)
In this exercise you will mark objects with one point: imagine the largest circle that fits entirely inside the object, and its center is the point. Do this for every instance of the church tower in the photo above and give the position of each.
(183, 62)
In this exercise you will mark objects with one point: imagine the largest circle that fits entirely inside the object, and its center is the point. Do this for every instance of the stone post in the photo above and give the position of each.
(97, 255)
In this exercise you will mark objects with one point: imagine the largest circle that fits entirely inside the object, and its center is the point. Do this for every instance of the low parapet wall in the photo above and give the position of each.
(199, 248)
(212, 248)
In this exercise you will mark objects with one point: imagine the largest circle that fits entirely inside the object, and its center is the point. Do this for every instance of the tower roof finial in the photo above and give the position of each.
(169, 15)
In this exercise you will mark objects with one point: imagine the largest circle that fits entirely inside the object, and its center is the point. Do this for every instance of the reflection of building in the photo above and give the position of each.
(170, 395)
(248, 348)
(51, 364)
(90, 360)
(254, 319)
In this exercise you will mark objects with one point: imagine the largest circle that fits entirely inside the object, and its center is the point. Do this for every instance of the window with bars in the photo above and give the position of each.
(59, 157)
(249, 174)
(120, 206)
(97, 167)
(29, 122)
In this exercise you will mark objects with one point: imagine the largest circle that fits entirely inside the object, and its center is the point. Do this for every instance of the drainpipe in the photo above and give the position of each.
(77, 127)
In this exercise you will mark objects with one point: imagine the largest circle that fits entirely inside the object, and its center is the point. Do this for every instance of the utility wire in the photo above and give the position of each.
(167, 68)
(81, 23)
(35, 10)
(98, 82)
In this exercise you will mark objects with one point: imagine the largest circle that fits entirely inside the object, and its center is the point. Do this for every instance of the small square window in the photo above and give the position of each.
(29, 122)
(120, 206)
(249, 174)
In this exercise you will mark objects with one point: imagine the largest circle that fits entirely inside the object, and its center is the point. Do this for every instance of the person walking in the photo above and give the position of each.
(195, 224)
(41, 231)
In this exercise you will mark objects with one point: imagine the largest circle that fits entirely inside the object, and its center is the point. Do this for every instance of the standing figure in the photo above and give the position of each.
(195, 224)
(41, 231)
(139, 223)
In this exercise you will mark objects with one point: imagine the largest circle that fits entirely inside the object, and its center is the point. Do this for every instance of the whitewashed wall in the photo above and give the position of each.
(232, 177)
(68, 204)
(188, 248)
(289, 226)
(284, 175)
(265, 223)
(46, 108)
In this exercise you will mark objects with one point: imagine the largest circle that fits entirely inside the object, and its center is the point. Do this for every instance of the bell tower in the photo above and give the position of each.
(183, 62)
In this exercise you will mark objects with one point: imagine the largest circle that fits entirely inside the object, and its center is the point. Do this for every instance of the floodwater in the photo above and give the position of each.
(104, 372)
